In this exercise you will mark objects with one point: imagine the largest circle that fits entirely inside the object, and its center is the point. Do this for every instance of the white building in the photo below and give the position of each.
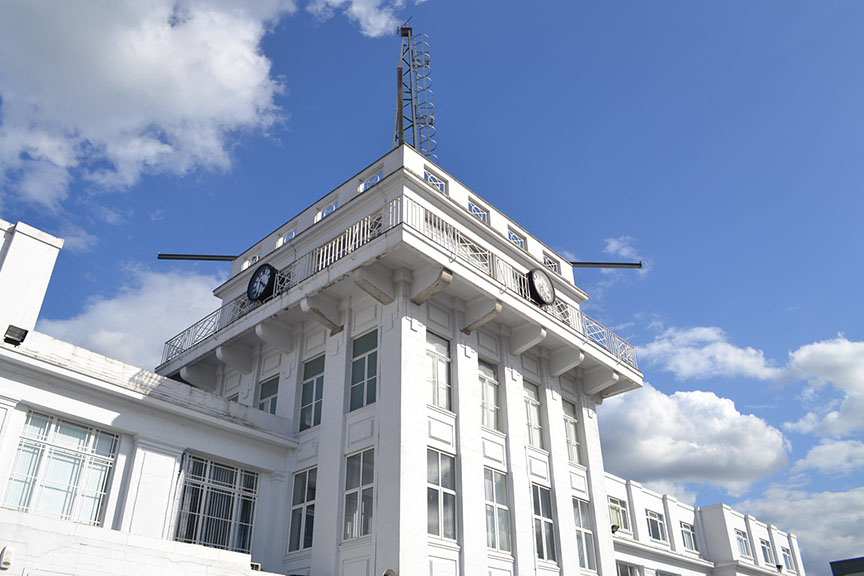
(400, 378)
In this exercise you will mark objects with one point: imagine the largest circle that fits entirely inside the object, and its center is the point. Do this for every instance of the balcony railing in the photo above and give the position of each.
(403, 210)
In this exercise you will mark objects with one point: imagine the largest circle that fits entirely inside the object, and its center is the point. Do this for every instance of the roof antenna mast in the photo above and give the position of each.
(415, 111)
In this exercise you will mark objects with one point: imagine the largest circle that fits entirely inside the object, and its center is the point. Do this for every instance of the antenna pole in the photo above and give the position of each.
(415, 111)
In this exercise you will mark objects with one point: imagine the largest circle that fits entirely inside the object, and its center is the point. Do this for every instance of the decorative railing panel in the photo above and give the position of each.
(435, 228)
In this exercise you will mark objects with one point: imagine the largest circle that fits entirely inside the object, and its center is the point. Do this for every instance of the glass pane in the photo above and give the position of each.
(269, 388)
(545, 503)
(96, 477)
(294, 539)
(432, 472)
(88, 508)
(536, 491)
(569, 409)
(366, 512)
(350, 530)
(370, 391)
(305, 417)
(365, 343)
(61, 475)
(316, 420)
(310, 524)
(550, 541)
(36, 426)
(501, 488)
(319, 388)
(368, 467)
(358, 371)
(448, 472)
(589, 551)
(311, 484)
(313, 367)
(581, 545)
(531, 391)
(299, 489)
(449, 514)
(538, 537)
(372, 364)
(490, 526)
(503, 530)
(488, 370)
(71, 435)
(352, 475)
(105, 444)
(432, 511)
(307, 393)
(437, 344)
(488, 485)
(356, 396)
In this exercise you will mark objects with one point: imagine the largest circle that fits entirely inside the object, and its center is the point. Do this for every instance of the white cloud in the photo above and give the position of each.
(833, 457)
(624, 247)
(705, 352)
(375, 17)
(829, 525)
(108, 91)
(688, 437)
(838, 363)
(133, 324)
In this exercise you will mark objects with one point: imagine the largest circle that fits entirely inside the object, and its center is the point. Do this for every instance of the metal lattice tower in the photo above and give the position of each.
(415, 111)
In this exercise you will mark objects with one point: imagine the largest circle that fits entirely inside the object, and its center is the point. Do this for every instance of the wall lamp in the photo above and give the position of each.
(14, 335)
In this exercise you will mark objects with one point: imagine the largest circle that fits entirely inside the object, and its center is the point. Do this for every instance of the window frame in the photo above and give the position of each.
(326, 209)
(316, 381)
(433, 378)
(787, 555)
(360, 516)
(441, 493)
(272, 399)
(533, 407)
(585, 534)
(632, 569)
(744, 548)
(488, 384)
(365, 382)
(659, 521)
(571, 428)
(517, 239)
(499, 506)
(622, 512)
(551, 263)
(305, 531)
(767, 552)
(544, 526)
(477, 210)
(689, 530)
(283, 239)
(48, 450)
(436, 181)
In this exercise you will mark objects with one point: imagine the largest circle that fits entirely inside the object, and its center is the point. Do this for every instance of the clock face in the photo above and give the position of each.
(261, 283)
(542, 290)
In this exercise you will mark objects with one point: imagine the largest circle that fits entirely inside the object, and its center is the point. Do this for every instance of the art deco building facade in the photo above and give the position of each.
(400, 377)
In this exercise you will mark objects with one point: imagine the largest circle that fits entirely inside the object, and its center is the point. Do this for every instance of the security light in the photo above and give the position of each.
(14, 335)
(615, 528)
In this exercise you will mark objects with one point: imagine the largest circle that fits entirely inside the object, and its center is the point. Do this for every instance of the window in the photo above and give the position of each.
(61, 470)
(551, 263)
(371, 181)
(688, 533)
(516, 238)
(441, 494)
(544, 526)
(312, 393)
(627, 570)
(788, 562)
(359, 479)
(478, 211)
(364, 370)
(326, 210)
(217, 505)
(267, 392)
(584, 535)
(303, 510)
(618, 514)
(285, 238)
(571, 426)
(233, 397)
(491, 394)
(532, 410)
(743, 544)
(250, 261)
(656, 525)
(438, 370)
(767, 553)
(435, 181)
(497, 511)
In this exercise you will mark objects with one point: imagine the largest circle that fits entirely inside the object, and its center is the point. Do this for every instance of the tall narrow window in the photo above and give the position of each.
(788, 562)
(441, 494)
(478, 211)
(364, 370)
(544, 525)
(551, 263)
(571, 426)
(516, 238)
(533, 415)
(217, 505)
(438, 370)
(61, 470)
(312, 393)
(491, 394)
(627, 570)
(584, 534)
(743, 543)
(497, 510)
(688, 533)
(618, 514)
(303, 510)
(267, 393)
(656, 525)
(359, 504)
(767, 552)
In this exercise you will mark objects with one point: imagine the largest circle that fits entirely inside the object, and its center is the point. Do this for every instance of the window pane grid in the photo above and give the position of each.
(364, 370)
(61, 470)
(497, 510)
(688, 533)
(303, 510)
(571, 427)
(359, 502)
(312, 393)
(491, 399)
(743, 544)
(441, 494)
(544, 527)
(267, 395)
(217, 505)
(438, 371)
(532, 413)
(656, 525)
(618, 513)
(584, 535)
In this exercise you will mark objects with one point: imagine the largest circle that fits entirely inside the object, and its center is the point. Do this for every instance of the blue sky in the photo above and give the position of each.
(720, 143)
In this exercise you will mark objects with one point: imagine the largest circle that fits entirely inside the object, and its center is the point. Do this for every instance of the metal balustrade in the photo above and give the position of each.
(404, 210)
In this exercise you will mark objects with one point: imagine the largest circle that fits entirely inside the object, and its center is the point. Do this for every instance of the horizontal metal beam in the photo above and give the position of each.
(210, 257)
(606, 264)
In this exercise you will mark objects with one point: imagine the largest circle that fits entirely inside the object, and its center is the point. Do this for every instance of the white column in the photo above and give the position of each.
(597, 488)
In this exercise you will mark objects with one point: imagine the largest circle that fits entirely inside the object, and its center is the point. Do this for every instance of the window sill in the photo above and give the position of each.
(313, 431)
(360, 411)
(499, 555)
(356, 542)
(442, 411)
(578, 466)
(494, 432)
(443, 543)
(547, 564)
(297, 555)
